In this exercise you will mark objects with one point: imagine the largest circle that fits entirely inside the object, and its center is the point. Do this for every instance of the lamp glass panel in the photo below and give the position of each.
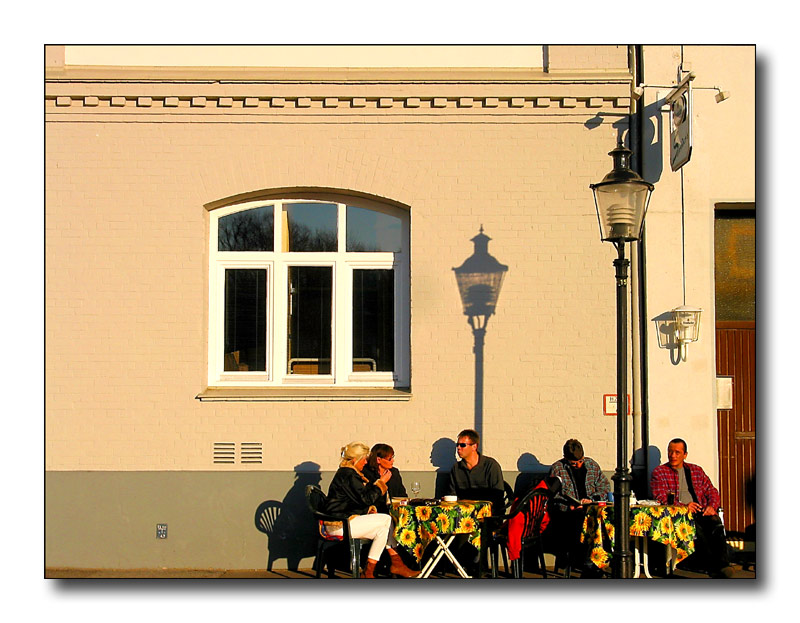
(621, 209)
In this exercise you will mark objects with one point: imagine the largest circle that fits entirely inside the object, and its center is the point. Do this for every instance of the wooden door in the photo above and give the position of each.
(736, 357)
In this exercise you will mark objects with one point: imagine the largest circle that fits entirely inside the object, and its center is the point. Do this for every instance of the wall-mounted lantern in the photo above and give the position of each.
(678, 328)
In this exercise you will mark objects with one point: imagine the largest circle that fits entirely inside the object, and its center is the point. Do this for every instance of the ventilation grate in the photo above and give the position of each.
(224, 452)
(250, 452)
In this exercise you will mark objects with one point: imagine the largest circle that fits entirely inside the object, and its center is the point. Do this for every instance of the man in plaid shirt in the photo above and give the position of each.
(691, 487)
(583, 480)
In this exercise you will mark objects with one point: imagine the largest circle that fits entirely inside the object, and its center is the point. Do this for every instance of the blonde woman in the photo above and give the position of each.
(353, 495)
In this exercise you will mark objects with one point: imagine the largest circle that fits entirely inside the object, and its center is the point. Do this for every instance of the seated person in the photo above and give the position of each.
(474, 477)
(692, 487)
(381, 460)
(582, 480)
(352, 494)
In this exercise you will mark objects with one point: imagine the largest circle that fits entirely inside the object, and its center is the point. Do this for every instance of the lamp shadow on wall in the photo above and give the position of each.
(665, 332)
(289, 525)
(479, 280)
(651, 139)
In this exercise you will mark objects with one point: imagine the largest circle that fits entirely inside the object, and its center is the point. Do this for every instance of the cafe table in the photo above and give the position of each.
(419, 524)
(671, 525)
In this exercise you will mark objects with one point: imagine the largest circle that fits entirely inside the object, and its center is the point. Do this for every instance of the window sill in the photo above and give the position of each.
(300, 394)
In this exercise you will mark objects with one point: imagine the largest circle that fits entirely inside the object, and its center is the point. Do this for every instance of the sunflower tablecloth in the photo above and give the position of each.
(670, 525)
(416, 526)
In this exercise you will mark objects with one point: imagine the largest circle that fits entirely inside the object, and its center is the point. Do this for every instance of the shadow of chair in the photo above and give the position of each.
(327, 541)
(508, 500)
(266, 520)
(523, 522)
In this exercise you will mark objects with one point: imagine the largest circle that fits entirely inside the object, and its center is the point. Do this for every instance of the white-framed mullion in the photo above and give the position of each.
(371, 261)
(402, 324)
(305, 259)
(217, 335)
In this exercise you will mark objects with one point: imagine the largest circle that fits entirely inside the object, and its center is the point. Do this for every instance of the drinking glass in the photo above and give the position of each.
(415, 488)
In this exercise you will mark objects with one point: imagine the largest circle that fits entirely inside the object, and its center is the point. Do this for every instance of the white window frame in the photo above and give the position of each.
(277, 264)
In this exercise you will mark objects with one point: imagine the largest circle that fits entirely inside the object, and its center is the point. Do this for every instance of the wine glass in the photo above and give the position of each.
(415, 488)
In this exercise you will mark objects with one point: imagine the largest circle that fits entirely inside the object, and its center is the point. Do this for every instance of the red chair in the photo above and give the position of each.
(520, 530)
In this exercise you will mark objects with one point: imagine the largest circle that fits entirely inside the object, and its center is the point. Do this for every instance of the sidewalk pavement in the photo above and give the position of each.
(304, 574)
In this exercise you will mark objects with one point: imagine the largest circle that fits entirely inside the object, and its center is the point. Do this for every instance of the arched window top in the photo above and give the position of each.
(307, 225)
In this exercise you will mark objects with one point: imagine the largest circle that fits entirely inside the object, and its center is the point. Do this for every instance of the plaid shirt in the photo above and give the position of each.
(665, 479)
(597, 485)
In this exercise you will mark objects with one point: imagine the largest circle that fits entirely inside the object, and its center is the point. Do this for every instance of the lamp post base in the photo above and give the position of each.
(622, 561)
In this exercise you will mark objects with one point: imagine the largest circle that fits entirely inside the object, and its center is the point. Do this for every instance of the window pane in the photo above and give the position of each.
(309, 327)
(311, 226)
(368, 230)
(251, 230)
(373, 320)
(735, 264)
(245, 320)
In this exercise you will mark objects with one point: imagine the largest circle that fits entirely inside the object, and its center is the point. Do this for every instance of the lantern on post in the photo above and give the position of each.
(621, 200)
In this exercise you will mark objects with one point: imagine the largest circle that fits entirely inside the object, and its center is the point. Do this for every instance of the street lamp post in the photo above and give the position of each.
(621, 201)
(479, 280)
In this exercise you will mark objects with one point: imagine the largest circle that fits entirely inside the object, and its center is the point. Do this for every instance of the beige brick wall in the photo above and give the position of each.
(130, 167)
(582, 57)
(126, 280)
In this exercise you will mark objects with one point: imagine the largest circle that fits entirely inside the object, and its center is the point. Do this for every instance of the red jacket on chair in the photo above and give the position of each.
(517, 523)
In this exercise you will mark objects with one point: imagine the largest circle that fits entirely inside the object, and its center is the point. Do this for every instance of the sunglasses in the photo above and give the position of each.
(464, 445)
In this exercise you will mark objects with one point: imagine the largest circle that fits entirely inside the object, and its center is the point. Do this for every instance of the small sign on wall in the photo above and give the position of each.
(610, 404)
(724, 392)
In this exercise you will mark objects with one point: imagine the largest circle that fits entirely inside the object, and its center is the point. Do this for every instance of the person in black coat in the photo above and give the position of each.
(381, 460)
(353, 495)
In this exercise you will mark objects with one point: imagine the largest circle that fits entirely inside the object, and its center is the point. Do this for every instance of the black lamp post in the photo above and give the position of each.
(479, 280)
(621, 200)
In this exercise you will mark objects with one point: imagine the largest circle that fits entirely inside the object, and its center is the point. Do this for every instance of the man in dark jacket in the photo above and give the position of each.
(474, 477)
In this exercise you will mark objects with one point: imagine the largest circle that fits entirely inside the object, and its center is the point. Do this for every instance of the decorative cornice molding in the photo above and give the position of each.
(325, 103)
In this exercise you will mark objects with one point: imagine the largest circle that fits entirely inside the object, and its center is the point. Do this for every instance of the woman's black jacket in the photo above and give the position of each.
(349, 494)
(395, 485)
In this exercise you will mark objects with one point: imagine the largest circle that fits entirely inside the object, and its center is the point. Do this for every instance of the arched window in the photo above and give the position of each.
(309, 292)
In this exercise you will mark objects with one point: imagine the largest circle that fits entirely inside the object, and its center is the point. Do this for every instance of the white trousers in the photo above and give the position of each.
(377, 527)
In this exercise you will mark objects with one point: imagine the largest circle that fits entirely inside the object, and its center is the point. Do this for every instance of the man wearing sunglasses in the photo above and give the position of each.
(475, 476)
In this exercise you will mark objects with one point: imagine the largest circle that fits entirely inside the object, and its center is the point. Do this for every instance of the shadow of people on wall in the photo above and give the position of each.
(531, 471)
(643, 465)
(294, 535)
(443, 457)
